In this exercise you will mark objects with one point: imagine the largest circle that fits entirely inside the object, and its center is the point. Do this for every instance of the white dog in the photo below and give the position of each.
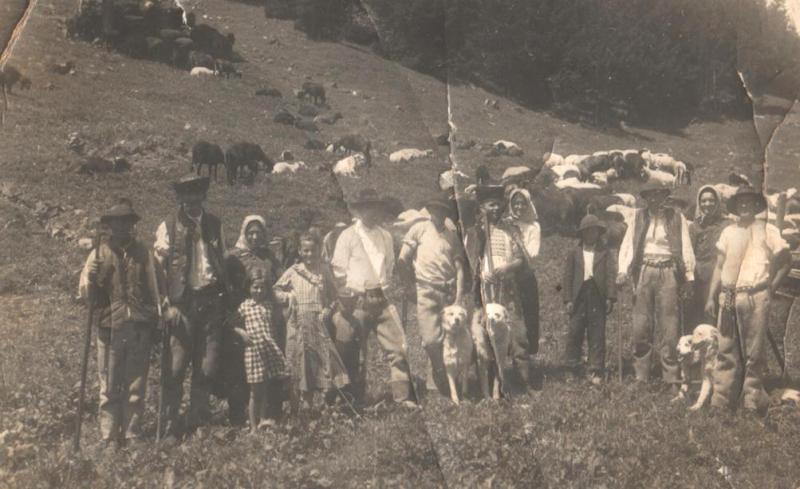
(699, 349)
(491, 333)
(456, 349)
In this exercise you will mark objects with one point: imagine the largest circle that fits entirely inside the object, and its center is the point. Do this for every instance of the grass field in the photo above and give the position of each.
(562, 435)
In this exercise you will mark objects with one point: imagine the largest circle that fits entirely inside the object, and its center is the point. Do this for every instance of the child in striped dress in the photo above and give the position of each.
(315, 365)
(263, 358)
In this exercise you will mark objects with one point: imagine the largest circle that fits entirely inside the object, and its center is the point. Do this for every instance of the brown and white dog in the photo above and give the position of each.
(491, 332)
(456, 349)
(698, 350)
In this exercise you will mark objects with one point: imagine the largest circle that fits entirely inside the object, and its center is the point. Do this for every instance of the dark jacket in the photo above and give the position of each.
(604, 273)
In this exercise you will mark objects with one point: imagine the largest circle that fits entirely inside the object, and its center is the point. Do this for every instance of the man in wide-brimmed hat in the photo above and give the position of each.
(495, 257)
(436, 256)
(363, 262)
(589, 294)
(190, 248)
(119, 277)
(752, 261)
(656, 253)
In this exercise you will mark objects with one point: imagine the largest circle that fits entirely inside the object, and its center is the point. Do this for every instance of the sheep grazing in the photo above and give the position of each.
(313, 90)
(349, 166)
(202, 72)
(206, 154)
(10, 76)
(573, 182)
(552, 159)
(226, 69)
(565, 171)
(604, 177)
(665, 162)
(409, 154)
(245, 155)
(660, 176)
(575, 159)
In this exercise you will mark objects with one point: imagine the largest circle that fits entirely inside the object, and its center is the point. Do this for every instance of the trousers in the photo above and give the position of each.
(656, 323)
(430, 303)
(588, 319)
(123, 360)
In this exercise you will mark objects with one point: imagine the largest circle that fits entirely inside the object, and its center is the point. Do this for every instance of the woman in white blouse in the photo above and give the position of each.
(524, 220)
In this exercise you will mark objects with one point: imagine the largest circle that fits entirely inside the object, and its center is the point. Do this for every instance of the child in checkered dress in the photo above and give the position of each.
(263, 358)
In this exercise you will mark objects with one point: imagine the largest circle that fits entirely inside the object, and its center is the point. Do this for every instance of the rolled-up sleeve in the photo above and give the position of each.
(688, 251)
(161, 246)
(83, 281)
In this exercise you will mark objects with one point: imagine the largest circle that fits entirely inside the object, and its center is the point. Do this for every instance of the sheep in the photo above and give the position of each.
(286, 167)
(352, 143)
(10, 76)
(94, 164)
(508, 148)
(604, 177)
(552, 159)
(202, 72)
(627, 199)
(244, 154)
(575, 159)
(226, 69)
(772, 198)
(328, 118)
(659, 176)
(205, 153)
(349, 166)
(409, 154)
(572, 182)
(314, 90)
(566, 171)
(285, 117)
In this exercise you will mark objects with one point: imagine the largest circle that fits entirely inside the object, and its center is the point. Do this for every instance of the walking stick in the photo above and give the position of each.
(87, 344)
(165, 364)
(491, 298)
(619, 347)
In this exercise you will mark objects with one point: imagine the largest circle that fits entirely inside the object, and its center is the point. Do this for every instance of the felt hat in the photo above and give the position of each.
(121, 210)
(441, 203)
(367, 197)
(490, 192)
(191, 184)
(743, 192)
(591, 221)
(654, 186)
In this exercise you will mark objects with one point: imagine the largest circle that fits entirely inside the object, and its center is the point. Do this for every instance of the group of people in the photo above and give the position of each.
(259, 330)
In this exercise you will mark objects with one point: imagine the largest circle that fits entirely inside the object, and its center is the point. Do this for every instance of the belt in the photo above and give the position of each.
(446, 286)
(729, 301)
(658, 262)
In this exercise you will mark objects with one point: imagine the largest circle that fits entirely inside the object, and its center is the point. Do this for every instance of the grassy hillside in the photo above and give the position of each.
(565, 435)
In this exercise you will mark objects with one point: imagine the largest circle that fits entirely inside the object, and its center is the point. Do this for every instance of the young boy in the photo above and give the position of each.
(752, 261)
(589, 294)
(438, 263)
(346, 329)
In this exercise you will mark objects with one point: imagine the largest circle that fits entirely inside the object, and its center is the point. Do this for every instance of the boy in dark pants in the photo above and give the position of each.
(346, 330)
(589, 294)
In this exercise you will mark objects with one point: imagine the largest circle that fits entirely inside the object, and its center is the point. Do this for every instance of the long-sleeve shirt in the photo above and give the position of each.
(201, 273)
(656, 244)
(364, 257)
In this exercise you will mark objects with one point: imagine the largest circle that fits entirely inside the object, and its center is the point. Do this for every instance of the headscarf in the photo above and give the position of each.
(716, 213)
(242, 243)
(527, 195)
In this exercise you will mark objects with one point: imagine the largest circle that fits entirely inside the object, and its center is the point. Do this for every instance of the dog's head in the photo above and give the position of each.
(453, 317)
(496, 313)
(685, 346)
(704, 336)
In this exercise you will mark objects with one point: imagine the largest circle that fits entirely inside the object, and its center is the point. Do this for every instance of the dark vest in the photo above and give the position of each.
(674, 233)
(180, 229)
(126, 290)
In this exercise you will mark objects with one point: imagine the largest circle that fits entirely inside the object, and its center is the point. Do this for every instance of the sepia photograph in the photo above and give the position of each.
(400, 244)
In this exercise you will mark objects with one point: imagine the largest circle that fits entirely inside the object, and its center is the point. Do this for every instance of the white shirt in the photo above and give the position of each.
(656, 244)
(435, 252)
(588, 264)
(364, 257)
(748, 252)
(200, 272)
(531, 237)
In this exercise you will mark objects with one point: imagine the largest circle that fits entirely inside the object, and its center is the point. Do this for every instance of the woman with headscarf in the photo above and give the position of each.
(708, 224)
(524, 223)
(250, 252)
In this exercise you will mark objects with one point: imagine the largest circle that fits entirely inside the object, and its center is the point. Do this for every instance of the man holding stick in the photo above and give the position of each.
(120, 276)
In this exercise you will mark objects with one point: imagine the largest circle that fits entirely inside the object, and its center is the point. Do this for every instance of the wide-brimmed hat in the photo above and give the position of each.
(591, 221)
(746, 191)
(441, 203)
(121, 210)
(191, 184)
(654, 186)
(484, 193)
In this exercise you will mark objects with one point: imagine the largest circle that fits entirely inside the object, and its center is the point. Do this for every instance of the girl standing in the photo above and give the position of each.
(315, 365)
